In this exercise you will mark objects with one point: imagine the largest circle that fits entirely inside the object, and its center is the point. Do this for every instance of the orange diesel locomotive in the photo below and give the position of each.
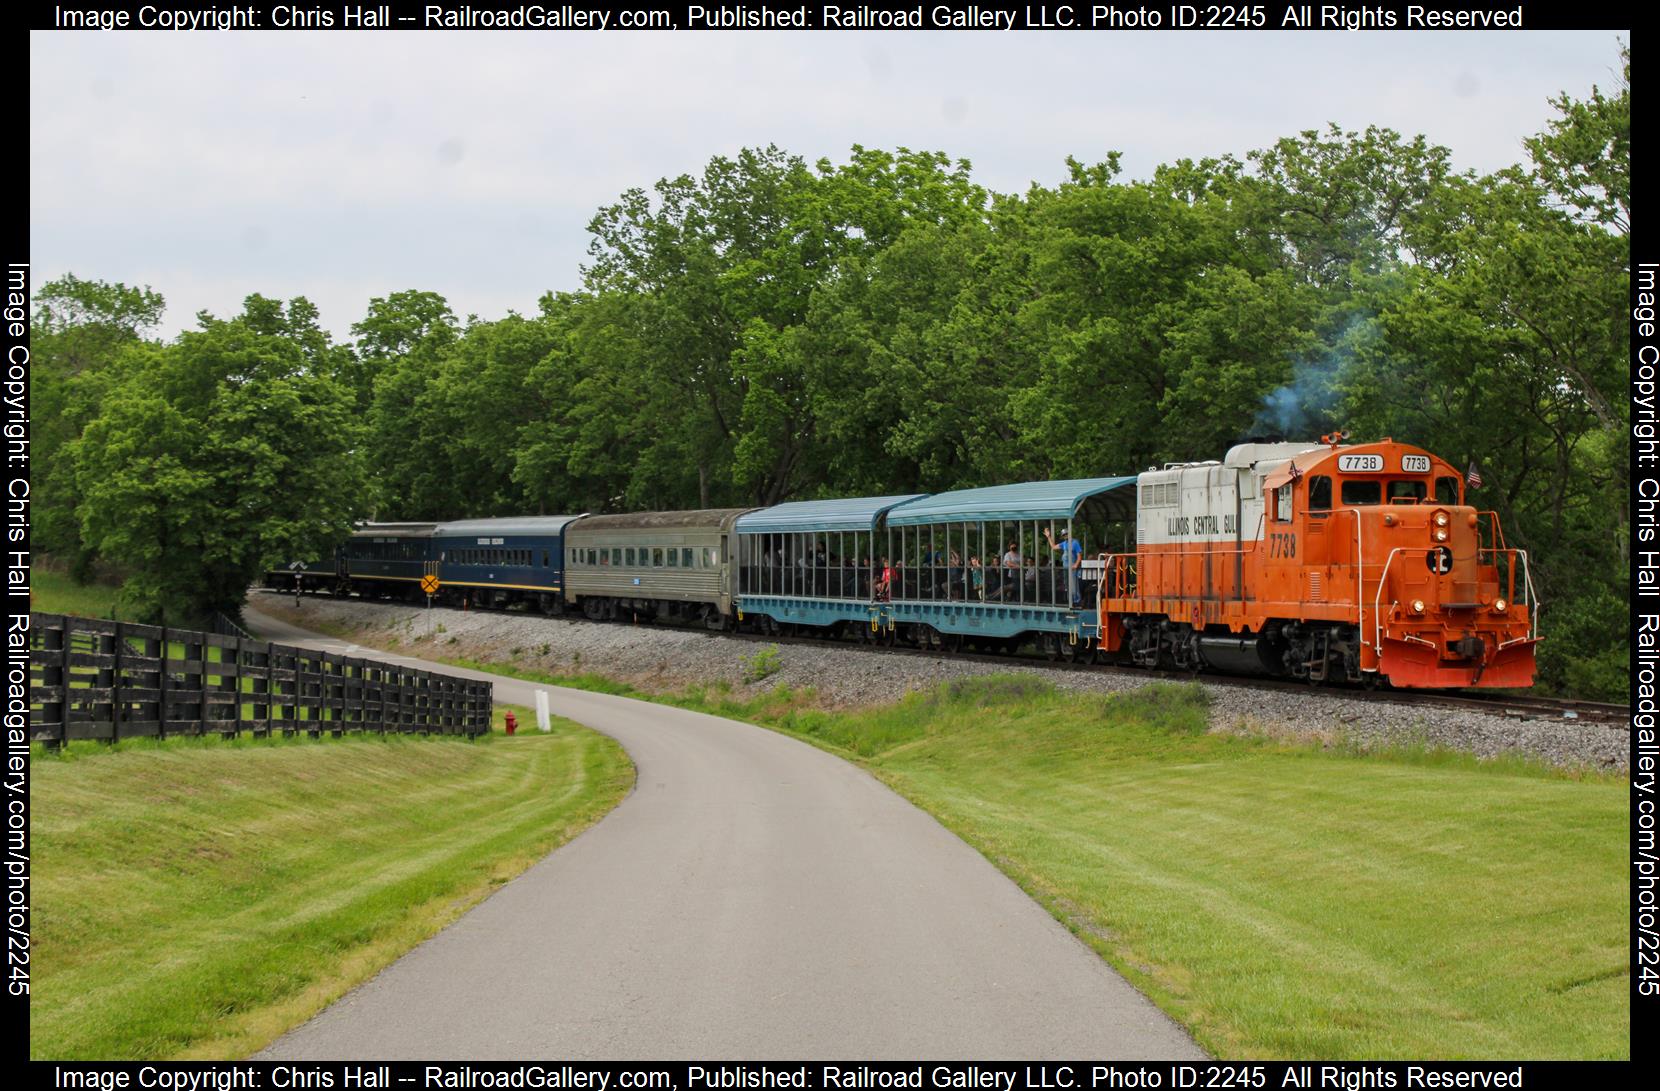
(1321, 562)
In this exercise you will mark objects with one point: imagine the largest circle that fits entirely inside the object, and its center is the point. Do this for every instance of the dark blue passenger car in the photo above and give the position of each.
(497, 562)
(387, 560)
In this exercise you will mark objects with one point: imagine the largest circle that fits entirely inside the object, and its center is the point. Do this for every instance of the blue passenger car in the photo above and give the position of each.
(815, 563)
(386, 560)
(991, 566)
(497, 562)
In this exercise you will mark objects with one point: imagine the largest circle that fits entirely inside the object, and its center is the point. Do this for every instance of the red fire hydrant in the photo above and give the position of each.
(511, 722)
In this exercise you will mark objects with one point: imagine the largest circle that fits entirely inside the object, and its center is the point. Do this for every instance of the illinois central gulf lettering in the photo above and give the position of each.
(1181, 526)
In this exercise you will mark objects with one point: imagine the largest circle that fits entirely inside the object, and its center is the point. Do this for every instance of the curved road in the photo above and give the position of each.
(753, 898)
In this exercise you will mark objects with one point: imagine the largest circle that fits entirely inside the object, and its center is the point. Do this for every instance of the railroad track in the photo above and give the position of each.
(1568, 711)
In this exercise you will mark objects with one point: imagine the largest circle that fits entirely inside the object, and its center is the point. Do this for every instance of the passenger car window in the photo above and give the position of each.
(685, 558)
(657, 557)
(674, 558)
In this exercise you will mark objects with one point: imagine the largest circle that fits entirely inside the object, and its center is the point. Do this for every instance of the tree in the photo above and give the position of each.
(1584, 157)
(80, 329)
(214, 457)
(1508, 343)
(401, 343)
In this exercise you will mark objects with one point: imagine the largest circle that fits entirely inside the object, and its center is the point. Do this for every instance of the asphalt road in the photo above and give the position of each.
(753, 898)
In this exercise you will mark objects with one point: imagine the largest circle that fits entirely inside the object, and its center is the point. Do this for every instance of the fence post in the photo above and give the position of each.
(202, 679)
(63, 721)
(162, 682)
(116, 705)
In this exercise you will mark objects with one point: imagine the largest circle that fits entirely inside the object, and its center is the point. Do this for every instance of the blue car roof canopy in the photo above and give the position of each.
(831, 516)
(1113, 497)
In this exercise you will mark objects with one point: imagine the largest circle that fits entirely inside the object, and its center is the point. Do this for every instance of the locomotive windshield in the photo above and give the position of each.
(1359, 493)
(1366, 491)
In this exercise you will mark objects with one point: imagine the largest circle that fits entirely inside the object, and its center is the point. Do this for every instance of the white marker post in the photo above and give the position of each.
(543, 720)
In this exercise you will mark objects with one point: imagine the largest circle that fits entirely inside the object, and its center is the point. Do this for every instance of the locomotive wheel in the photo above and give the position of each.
(1051, 644)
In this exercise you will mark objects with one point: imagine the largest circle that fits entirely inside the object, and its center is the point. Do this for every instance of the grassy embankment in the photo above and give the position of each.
(198, 898)
(53, 592)
(1280, 900)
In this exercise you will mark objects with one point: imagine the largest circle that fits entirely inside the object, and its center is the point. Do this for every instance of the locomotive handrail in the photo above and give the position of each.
(1532, 599)
(1182, 556)
(1498, 529)
(1360, 584)
(1383, 579)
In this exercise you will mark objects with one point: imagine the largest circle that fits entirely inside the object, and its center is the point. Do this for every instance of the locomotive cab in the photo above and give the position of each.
(1437, 597)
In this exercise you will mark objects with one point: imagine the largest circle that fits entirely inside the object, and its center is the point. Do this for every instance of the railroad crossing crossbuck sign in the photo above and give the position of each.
(429, 584)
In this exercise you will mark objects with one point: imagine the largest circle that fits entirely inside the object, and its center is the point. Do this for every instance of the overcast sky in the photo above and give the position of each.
(342, 166)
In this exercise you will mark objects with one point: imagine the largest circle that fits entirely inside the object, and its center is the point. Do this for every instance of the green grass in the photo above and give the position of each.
(1280, 900)
(53, 592)
(1289, 901)
(196, 898)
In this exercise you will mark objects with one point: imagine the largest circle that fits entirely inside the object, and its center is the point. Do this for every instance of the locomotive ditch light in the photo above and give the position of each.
(1499, 606)
(1388, 519)
(1471, 519)
(1417, 606)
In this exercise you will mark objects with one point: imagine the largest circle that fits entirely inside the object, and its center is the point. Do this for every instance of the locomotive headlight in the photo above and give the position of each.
(1441, 519)
(1498, 606)
(1417, 606)
(1440, 535)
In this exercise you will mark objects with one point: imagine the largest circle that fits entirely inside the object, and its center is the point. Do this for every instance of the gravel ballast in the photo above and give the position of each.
(660, 659)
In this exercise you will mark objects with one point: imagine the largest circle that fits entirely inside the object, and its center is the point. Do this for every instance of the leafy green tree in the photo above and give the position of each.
(1507, 344)
(214, 457)
(80, 329)
(1584, 156)
(401, 342)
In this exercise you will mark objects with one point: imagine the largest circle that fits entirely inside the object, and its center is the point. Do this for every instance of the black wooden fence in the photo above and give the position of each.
(96, 679)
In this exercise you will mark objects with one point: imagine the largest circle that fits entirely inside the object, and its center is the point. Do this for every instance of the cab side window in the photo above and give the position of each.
(1282, 503)
(1319, 493)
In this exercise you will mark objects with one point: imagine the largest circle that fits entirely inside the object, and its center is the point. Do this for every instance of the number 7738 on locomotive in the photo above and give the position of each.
(1336, 562)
